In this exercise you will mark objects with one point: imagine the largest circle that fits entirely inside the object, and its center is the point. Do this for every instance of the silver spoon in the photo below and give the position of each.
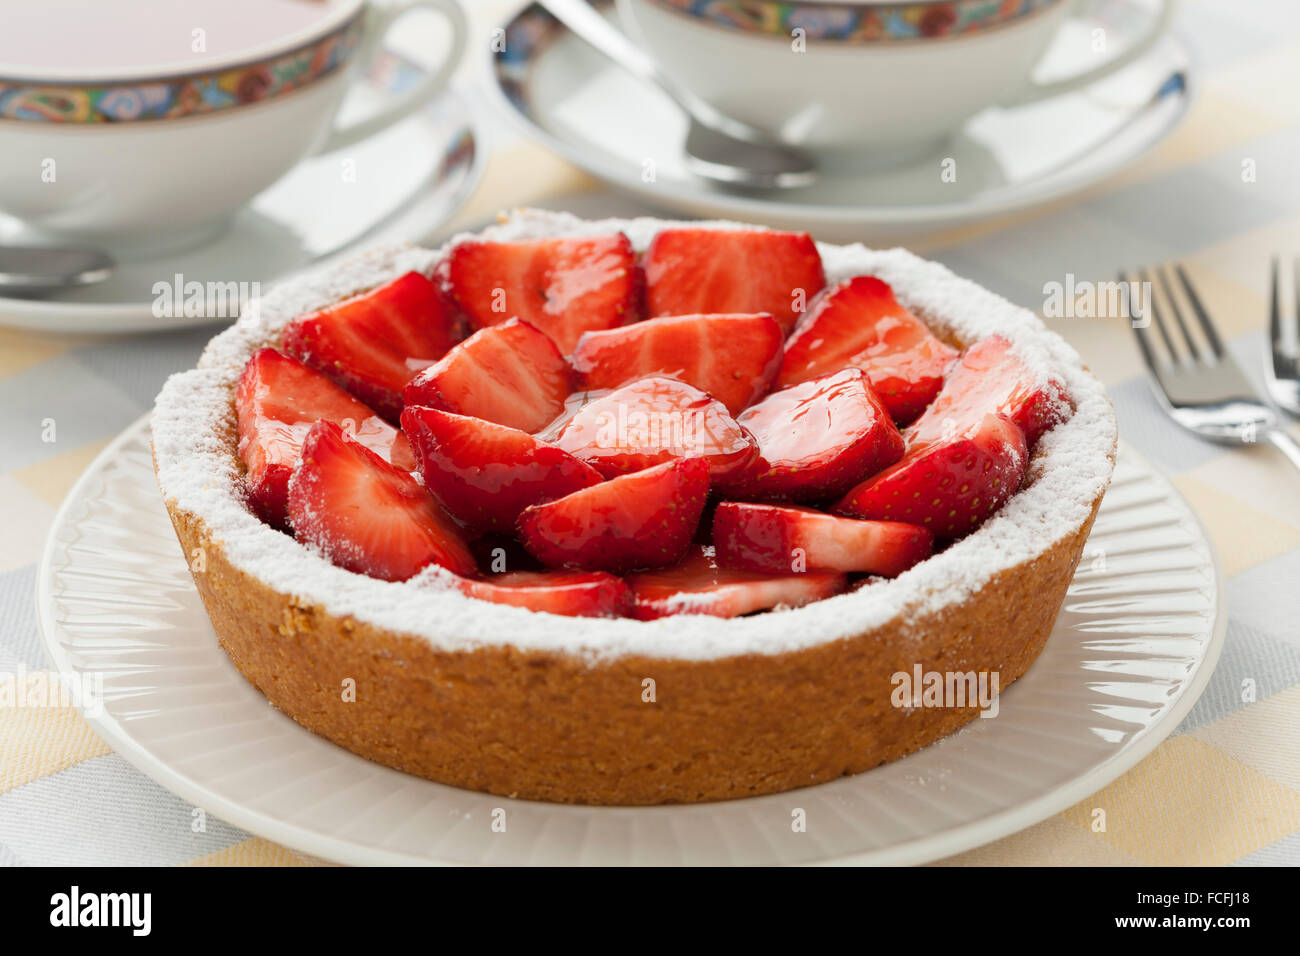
(718, 147)
(46, 269)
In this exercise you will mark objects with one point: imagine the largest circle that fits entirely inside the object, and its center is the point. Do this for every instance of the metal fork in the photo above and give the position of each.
(1282, 374)
(1199, 384)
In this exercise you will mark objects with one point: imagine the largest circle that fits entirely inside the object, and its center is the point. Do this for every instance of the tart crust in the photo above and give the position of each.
(511, 717)
(549, 726)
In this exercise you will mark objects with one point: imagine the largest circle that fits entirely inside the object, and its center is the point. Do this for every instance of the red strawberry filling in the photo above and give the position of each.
(696, 585)
(816, 440)
(949, 485)
(277, 401)
(859, 323)
(486, 474)
(373, 344)
(563, 287)
(787, 539)
(597, 502)
(510, 374)
(642, 520)
(569, 593)
(700, 271)
(365, 515)
(652, 421)
(990, 378)
(733, 358)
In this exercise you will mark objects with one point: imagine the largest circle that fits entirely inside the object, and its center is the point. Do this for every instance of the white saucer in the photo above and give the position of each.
(407, 181)
(602, 119)
(1134, 646)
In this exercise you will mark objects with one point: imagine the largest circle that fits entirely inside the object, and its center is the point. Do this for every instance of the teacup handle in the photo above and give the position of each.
(1042, 91)
(378, 22)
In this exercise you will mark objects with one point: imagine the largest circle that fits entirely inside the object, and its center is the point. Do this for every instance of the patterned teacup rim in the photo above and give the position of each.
(191, 94)
(858, 21)
(335, 16)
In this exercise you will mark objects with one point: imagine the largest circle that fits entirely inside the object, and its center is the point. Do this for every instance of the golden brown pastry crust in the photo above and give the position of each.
(550, 726)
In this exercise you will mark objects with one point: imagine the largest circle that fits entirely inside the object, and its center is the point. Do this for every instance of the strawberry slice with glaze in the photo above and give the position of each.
(366, 515)
(734, 358)
(693, 271)
(568, 593)
(372, 344)
(991, 378)
(696, 585)
(486, 474)
(782, 539)
(948, 485)
(563, 287)
(859, 323)
(572, 405)
(277, 401)
(652, 421)
(642, 520)
(510, 374)
(817, 439)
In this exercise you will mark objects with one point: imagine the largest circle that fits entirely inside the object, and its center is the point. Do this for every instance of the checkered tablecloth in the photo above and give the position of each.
(1225, 788)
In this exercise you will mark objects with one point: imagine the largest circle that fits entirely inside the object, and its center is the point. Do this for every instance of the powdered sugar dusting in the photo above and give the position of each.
(193, 429)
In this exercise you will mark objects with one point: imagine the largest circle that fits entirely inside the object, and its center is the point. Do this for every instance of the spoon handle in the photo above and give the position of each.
(30, 269)
(591, 26)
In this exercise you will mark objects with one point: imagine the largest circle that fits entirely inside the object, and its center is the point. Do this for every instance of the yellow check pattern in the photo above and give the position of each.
(1224, 789)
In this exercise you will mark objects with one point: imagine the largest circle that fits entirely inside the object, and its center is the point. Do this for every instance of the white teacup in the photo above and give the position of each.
(143, 136)
(880, 80)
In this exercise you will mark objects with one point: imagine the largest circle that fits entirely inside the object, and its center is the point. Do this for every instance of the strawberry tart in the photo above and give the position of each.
(631, 512)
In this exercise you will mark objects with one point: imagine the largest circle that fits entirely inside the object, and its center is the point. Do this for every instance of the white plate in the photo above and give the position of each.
(601, 118)
(407, 181)
(1132, 650)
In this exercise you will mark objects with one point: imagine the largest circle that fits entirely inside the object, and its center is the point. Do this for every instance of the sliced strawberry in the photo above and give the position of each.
(734, 358)
(690, 271)
(276, 403)
(572, 405)
(570, 593)
(652, 421)
(373, 343)
(990, 378)
(859, 323)
(642, 520)
(485, 474)
(562, 286)
(367, 516)
(949, 486)
(817, 439)
(783, 539)
(510, 374)
(696, 585)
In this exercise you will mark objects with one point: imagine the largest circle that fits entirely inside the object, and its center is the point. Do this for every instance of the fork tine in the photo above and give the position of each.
(1207, 326)
(1144, 344)
(1145, 275)
(1148, 355)
(1178, 314)
(1126, 294)
(1295, 277)
(1274, 307)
